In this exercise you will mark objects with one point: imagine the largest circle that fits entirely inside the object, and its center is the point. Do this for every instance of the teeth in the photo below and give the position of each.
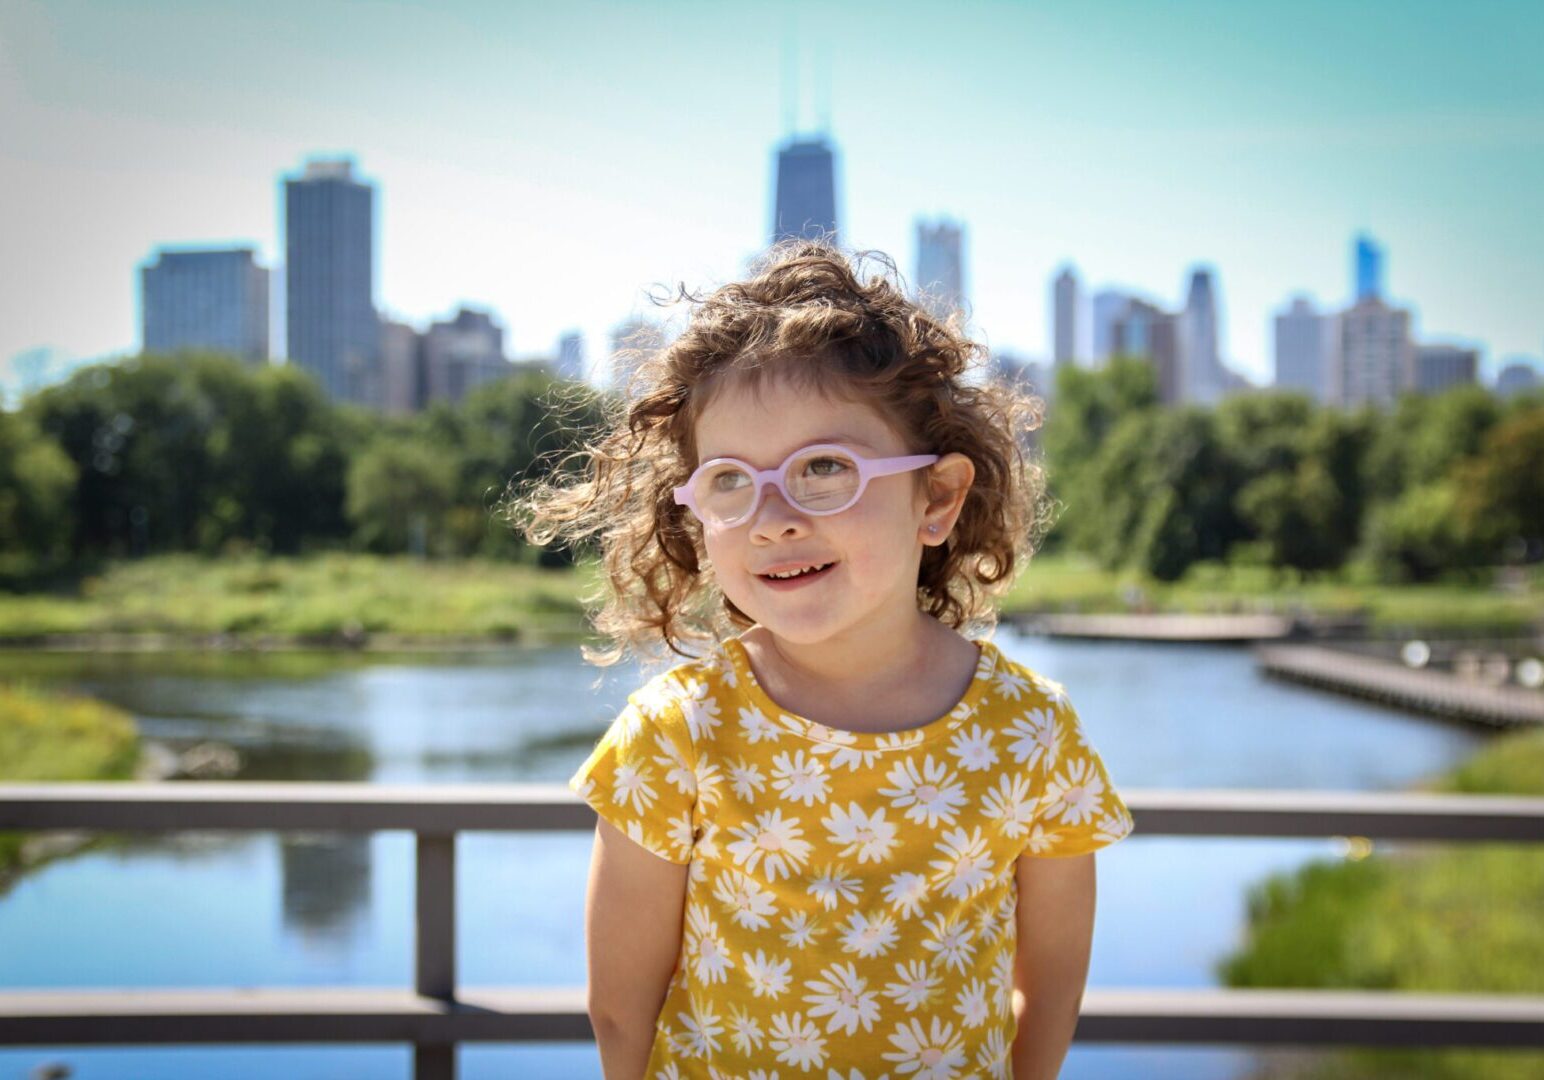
(796, 573)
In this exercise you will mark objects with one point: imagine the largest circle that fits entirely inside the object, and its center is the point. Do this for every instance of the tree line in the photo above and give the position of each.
(201, 453)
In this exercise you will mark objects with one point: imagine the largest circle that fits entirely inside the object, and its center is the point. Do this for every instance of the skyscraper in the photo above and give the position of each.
(1145, 331)
(940, 266)
(461, 354)
(1305, 349)
(805, 201)
(1109, 305)
(333, 330)
(1201, 377)
(205, 299)
(1369, 267)
(1065, 293)
(1374, 358)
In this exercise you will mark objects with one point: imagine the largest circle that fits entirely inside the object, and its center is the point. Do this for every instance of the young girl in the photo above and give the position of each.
(842, 839)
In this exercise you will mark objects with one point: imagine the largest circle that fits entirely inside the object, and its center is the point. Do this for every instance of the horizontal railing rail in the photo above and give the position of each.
(436, 1014)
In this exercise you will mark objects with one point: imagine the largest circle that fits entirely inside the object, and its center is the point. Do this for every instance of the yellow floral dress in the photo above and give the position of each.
(851, 897)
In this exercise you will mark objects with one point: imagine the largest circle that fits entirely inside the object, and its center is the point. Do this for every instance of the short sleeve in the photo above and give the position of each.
(641, 775)
(1079, 810)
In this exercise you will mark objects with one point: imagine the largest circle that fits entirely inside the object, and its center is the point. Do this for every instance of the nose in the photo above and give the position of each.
(776, 518)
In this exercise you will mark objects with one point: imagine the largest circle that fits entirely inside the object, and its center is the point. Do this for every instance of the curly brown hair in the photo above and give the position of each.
(806, 314)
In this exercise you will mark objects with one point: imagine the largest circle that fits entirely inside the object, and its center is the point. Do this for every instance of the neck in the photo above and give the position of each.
(884, 654)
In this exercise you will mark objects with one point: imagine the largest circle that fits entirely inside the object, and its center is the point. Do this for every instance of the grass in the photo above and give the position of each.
(325, 599)
(1073, 582)
(1455, 918)
(337, 599)
(47, 736)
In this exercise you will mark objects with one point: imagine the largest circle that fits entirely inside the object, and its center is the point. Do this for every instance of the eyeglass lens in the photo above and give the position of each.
(823, 480)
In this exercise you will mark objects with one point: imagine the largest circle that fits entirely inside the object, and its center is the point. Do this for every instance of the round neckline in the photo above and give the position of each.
(900, 739)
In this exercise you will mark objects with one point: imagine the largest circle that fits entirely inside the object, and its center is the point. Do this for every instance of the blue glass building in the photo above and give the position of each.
(805, 202)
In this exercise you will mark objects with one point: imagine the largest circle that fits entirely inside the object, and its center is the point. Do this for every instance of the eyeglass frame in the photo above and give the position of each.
(868, 469)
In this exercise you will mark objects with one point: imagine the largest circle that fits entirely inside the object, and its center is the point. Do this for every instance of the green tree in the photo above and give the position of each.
(37, 482)
(400, 495)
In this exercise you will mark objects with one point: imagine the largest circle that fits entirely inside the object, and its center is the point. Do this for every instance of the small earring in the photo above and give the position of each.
(932, 528)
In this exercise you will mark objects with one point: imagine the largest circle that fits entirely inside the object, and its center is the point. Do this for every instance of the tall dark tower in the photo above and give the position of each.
(806, 189)
(329, 266)
(1369, 267)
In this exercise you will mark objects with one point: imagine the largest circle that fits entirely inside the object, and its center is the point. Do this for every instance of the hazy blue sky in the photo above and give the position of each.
(549, 161)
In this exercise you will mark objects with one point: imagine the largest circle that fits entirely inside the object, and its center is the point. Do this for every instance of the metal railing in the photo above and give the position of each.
(436, 1014)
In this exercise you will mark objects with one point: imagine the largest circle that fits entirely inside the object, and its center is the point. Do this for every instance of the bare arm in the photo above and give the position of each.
(1055, 924)
(632, 929)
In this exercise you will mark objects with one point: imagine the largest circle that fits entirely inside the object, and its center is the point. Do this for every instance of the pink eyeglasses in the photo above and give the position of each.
(820, 479)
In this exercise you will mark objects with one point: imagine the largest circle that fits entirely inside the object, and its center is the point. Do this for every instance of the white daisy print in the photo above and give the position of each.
(710, 779)
(934, 1053)
(773, 843)
(843, 996)
(756, 727)
(832, 886)
(970, 1003)
(852, 758)
(1076, 794)
(869, 935)
(929, 795)
(1035, 735)
(1055, 693)
(1001, 984)
(1011, 685)
(630, 724)
(746, 779)
(681, 834)
(631, 785)
(656, 698)
(966, 866)
(744, 1031)
(906, 892)
(768, 975)
(701, 711)
(801, 930)
(950, 939)
(868, 836)
(1113, 827)
(750, 903)
(973, 748)
(992, 1055)
(1040, 841)
(799, 778)
(709, 955)
(700, 1030)
(1010, 805)
(797, 1041)
(993, 923)
(914, 986)
(678, 770)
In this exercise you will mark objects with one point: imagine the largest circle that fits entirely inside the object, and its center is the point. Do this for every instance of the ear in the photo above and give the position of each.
(948, 480)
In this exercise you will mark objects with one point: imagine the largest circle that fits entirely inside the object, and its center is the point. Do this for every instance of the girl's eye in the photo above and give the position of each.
(728, 480)
(825, 466)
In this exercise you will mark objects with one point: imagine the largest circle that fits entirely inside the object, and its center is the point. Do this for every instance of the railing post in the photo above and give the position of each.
(434, 973)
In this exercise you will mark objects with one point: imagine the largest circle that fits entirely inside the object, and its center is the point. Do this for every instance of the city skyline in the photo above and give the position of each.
(1136, 189)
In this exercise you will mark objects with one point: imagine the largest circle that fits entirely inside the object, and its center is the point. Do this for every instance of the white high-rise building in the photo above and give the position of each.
(1305, 349)
(462, 354)
(941, 266)
(1065, 293)
(1375, 355)
(1109, 307)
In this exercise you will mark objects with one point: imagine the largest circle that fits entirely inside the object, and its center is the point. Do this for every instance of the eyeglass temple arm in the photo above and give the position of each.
(900, 464)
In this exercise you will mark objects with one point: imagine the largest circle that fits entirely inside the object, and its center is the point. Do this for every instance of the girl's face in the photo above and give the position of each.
(874, 547)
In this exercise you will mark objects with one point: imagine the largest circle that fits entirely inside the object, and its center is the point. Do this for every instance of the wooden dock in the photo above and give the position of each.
(1173, 627)
(1434, 693)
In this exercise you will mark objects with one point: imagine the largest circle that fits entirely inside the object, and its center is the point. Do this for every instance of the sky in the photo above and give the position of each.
(552, 162)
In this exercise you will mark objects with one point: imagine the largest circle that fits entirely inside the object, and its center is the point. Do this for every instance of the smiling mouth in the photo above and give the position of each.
(789, 575)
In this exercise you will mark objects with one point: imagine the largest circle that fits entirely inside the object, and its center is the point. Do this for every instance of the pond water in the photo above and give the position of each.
(223, 909)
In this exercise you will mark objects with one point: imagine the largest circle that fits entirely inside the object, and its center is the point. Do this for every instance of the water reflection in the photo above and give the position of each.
(325, 882)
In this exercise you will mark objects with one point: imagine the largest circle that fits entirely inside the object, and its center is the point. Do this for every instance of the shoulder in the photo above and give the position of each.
(1013, 687)
(691, 695)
